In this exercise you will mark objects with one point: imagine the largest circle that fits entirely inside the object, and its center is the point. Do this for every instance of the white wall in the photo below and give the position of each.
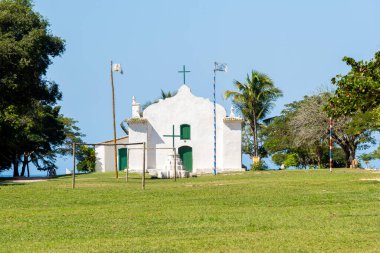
(105, 156)
(100, 159)
(232, 146)
(137, 133)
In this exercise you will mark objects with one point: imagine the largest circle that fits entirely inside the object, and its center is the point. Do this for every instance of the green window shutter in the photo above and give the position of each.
(185, 132)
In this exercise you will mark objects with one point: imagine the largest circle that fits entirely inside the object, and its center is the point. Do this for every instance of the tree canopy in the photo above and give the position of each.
(359, 89)
(31, 125)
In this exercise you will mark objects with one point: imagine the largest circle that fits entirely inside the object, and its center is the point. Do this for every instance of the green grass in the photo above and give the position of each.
(276, 211)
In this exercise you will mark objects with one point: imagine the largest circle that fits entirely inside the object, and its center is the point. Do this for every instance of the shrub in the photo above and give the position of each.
(261, 165)
(291, 160)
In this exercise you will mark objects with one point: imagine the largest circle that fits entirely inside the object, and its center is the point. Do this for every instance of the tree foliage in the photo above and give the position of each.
(254, 99)
(279, 158)
(31, 126)
(86, 159)
(371, 156)
(359, 89)
(291, 160)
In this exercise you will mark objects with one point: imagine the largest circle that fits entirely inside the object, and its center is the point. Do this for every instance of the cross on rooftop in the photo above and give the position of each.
(184, 71)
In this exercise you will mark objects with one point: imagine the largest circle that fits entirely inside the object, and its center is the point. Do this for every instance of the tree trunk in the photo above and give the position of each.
(255, 148)
(15, 166)
(352, 154)
(349, 154)
(347, 157)
(27, 166)
(24, 163)
(349, 147)
(320, 154)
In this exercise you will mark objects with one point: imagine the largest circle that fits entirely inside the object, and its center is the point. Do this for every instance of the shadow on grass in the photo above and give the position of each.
(10, 183)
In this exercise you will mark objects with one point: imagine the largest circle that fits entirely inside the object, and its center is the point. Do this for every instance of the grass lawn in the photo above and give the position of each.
(274, 211)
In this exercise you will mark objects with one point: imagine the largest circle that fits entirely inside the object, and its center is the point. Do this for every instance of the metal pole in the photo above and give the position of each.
(331, 159)
(143, 175)
(73, 173)
(126, 173)
(114, 125)
(175, 164)
(214, 121)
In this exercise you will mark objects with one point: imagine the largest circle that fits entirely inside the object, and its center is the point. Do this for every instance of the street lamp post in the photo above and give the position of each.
(117, 68)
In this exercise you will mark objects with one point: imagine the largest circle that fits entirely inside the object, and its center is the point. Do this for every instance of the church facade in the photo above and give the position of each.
(185, 122)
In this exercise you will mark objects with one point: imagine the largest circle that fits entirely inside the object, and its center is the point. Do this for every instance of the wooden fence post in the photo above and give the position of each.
(126, 172)
(143, 175)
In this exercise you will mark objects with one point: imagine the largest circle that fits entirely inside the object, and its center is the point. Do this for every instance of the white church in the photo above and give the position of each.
(186, 122)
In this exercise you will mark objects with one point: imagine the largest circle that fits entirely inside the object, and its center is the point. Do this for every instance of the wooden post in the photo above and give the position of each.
(143, 175)
(73, 172)
(126, 172)
(114, 125)
(175, 164)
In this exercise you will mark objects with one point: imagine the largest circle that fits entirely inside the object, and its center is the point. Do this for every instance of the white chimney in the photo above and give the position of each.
(135, 108)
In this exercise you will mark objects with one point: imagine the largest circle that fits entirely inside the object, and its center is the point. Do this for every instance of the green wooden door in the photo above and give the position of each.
(123, 158)
(186, 155)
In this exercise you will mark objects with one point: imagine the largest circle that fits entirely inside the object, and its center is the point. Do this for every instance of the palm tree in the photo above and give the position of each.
(254, 99)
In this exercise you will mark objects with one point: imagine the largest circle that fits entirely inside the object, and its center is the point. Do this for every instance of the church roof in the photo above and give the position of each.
(117, 139)
(183, 91)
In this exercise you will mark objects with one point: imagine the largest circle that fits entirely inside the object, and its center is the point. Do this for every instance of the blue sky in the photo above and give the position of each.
(299, 44)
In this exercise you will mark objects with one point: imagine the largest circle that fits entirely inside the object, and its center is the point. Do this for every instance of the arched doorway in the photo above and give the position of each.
(186, 155)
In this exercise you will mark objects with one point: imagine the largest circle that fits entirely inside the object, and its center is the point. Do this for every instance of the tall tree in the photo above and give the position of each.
(30, 120)
(358, 91)
(310, 125)
(254, 99)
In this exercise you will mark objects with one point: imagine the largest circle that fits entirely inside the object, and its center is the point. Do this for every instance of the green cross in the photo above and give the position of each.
(184, 71)
(172, 135)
